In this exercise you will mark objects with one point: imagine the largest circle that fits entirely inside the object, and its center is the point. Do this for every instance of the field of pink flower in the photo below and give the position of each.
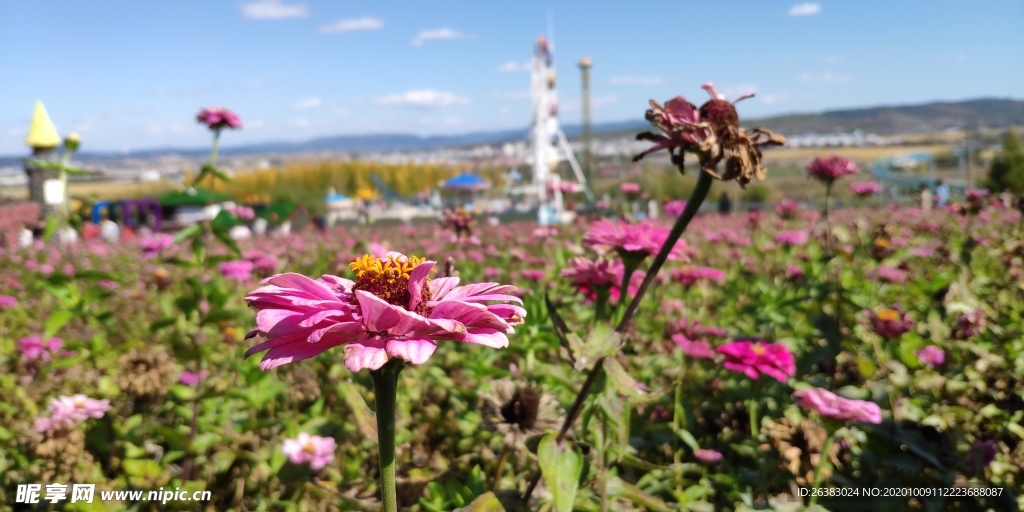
(713, 398)
(787, 359)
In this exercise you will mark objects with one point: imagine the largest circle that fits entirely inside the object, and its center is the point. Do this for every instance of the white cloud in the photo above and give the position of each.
(805, 9)
(454, 121)
(438, 35)
(513, 67)
(273, 10)
(341, 111)
(511, 95)
(423, 98)
(832, 59)
(595, 102)
(771, 99)
(731, 92)
(301, 123)
(306, 104)
(140, 110)
(825, 76)
(635, 80)
(340, 26)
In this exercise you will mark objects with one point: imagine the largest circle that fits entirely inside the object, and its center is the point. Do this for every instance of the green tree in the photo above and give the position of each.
(1007, 169)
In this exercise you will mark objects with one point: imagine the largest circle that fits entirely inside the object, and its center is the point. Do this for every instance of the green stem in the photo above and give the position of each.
(821, 466)
(752, 409)
(385, 389)
(501, 467)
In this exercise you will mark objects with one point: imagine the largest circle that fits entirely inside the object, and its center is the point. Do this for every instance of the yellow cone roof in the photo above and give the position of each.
(42, 133)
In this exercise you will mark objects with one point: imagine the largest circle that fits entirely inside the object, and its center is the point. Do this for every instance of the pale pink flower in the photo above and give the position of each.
(694, 349)
(675, 208)
(708, 456)
(216, 118)
(831, 168)
(689, 275)
(931, 355)
(152, 245)
(390, 310)
(239, 270)
(830, 405)
(632, 241)
(891, 274)
(791, 238)
(787, 208)
(192, 379)
(67, 410)
(865, 189)
(7, 302)
(630, 187)
(317, 451)
(756, 357)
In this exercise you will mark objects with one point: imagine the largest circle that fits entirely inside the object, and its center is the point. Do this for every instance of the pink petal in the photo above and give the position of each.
(416, 351)
(365, 354)
(417, 279)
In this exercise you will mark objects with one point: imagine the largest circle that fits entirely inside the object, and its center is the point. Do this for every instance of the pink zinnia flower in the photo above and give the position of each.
(633, 242)
(931, 355)
(239, 270)
(593, 274)
(890, 323)
(67, 410)
(891, 274)
(689, 275)
(708, 456)
(791, 238)
(969, 324)
(794, 273)
(756, 357)
(865, 189)
(675, 208)
(390, 310)
(7, 302)
(243, 212)
(262, 262)
(830, 405)
(218, 117)
(787, 208)
(532, 275)
(317, 451)
(192, 379)
(694, 349)
(33, 347)
(152, 245)
(630, 187)
(831, 168)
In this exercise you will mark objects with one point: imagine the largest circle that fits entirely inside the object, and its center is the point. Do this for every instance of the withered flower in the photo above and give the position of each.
(713, 133)
(519, 412)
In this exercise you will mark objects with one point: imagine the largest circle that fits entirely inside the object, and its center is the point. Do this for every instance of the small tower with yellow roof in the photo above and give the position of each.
(43, 139)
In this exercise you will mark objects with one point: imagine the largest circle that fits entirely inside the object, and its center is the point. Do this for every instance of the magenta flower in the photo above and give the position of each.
(262, 262)
(192, 379)
(791, 238)
(787, 208)
(533, 275)
(891, 274)
(678, 119)
(390, 310)
(217, 118)
(708, 456)
(7, 302)
(317, 451)
(675, 208)
(593, 274)
(890, 323)
(243, 212)
(969, 324)
(689, 275)
(756, 357)
(865, 189)
(694, 349)
(33, 347)
(794, 273)
(982, 454)
(931, 355)
(633, 242)
(832, 168)
(830, 405)
(152, 245)
(630, 188)
(239, 270)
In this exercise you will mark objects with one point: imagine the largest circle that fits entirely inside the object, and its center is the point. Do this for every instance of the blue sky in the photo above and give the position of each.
(129, 75)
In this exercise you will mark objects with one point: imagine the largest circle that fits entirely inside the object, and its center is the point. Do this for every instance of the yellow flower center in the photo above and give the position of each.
(388, 278)
(888, 315)
(309, 448)
(881, 243)
(758, 349)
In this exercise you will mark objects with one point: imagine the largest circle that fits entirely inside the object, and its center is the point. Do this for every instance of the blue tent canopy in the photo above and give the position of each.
(466, 181)
(335, 198)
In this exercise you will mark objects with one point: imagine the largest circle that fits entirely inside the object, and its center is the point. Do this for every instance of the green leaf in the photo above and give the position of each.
(622, 489)
(174, 439)
(188, 232)
(687, 438)
(364, 418)
(223, 234)
(162, 323)
(561, 466)
(51, 227)
(487, 502)
(624, 383)
(57, 320)
(142, 469)
(601, 342)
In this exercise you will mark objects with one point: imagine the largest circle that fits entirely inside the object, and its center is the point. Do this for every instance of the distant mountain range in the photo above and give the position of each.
(936, 116)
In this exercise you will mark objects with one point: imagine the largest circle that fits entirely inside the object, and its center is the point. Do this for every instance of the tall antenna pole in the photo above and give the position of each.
(585, 126)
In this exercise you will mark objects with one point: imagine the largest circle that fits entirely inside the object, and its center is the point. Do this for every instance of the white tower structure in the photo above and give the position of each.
(549, 145)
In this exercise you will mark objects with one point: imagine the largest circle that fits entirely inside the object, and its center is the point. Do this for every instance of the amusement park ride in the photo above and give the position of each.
(548, 144)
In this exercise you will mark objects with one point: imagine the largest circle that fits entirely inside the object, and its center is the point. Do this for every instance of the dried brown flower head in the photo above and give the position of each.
(519, 412)
(145, 372)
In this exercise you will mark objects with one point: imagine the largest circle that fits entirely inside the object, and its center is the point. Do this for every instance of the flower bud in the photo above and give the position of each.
(71, 142)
